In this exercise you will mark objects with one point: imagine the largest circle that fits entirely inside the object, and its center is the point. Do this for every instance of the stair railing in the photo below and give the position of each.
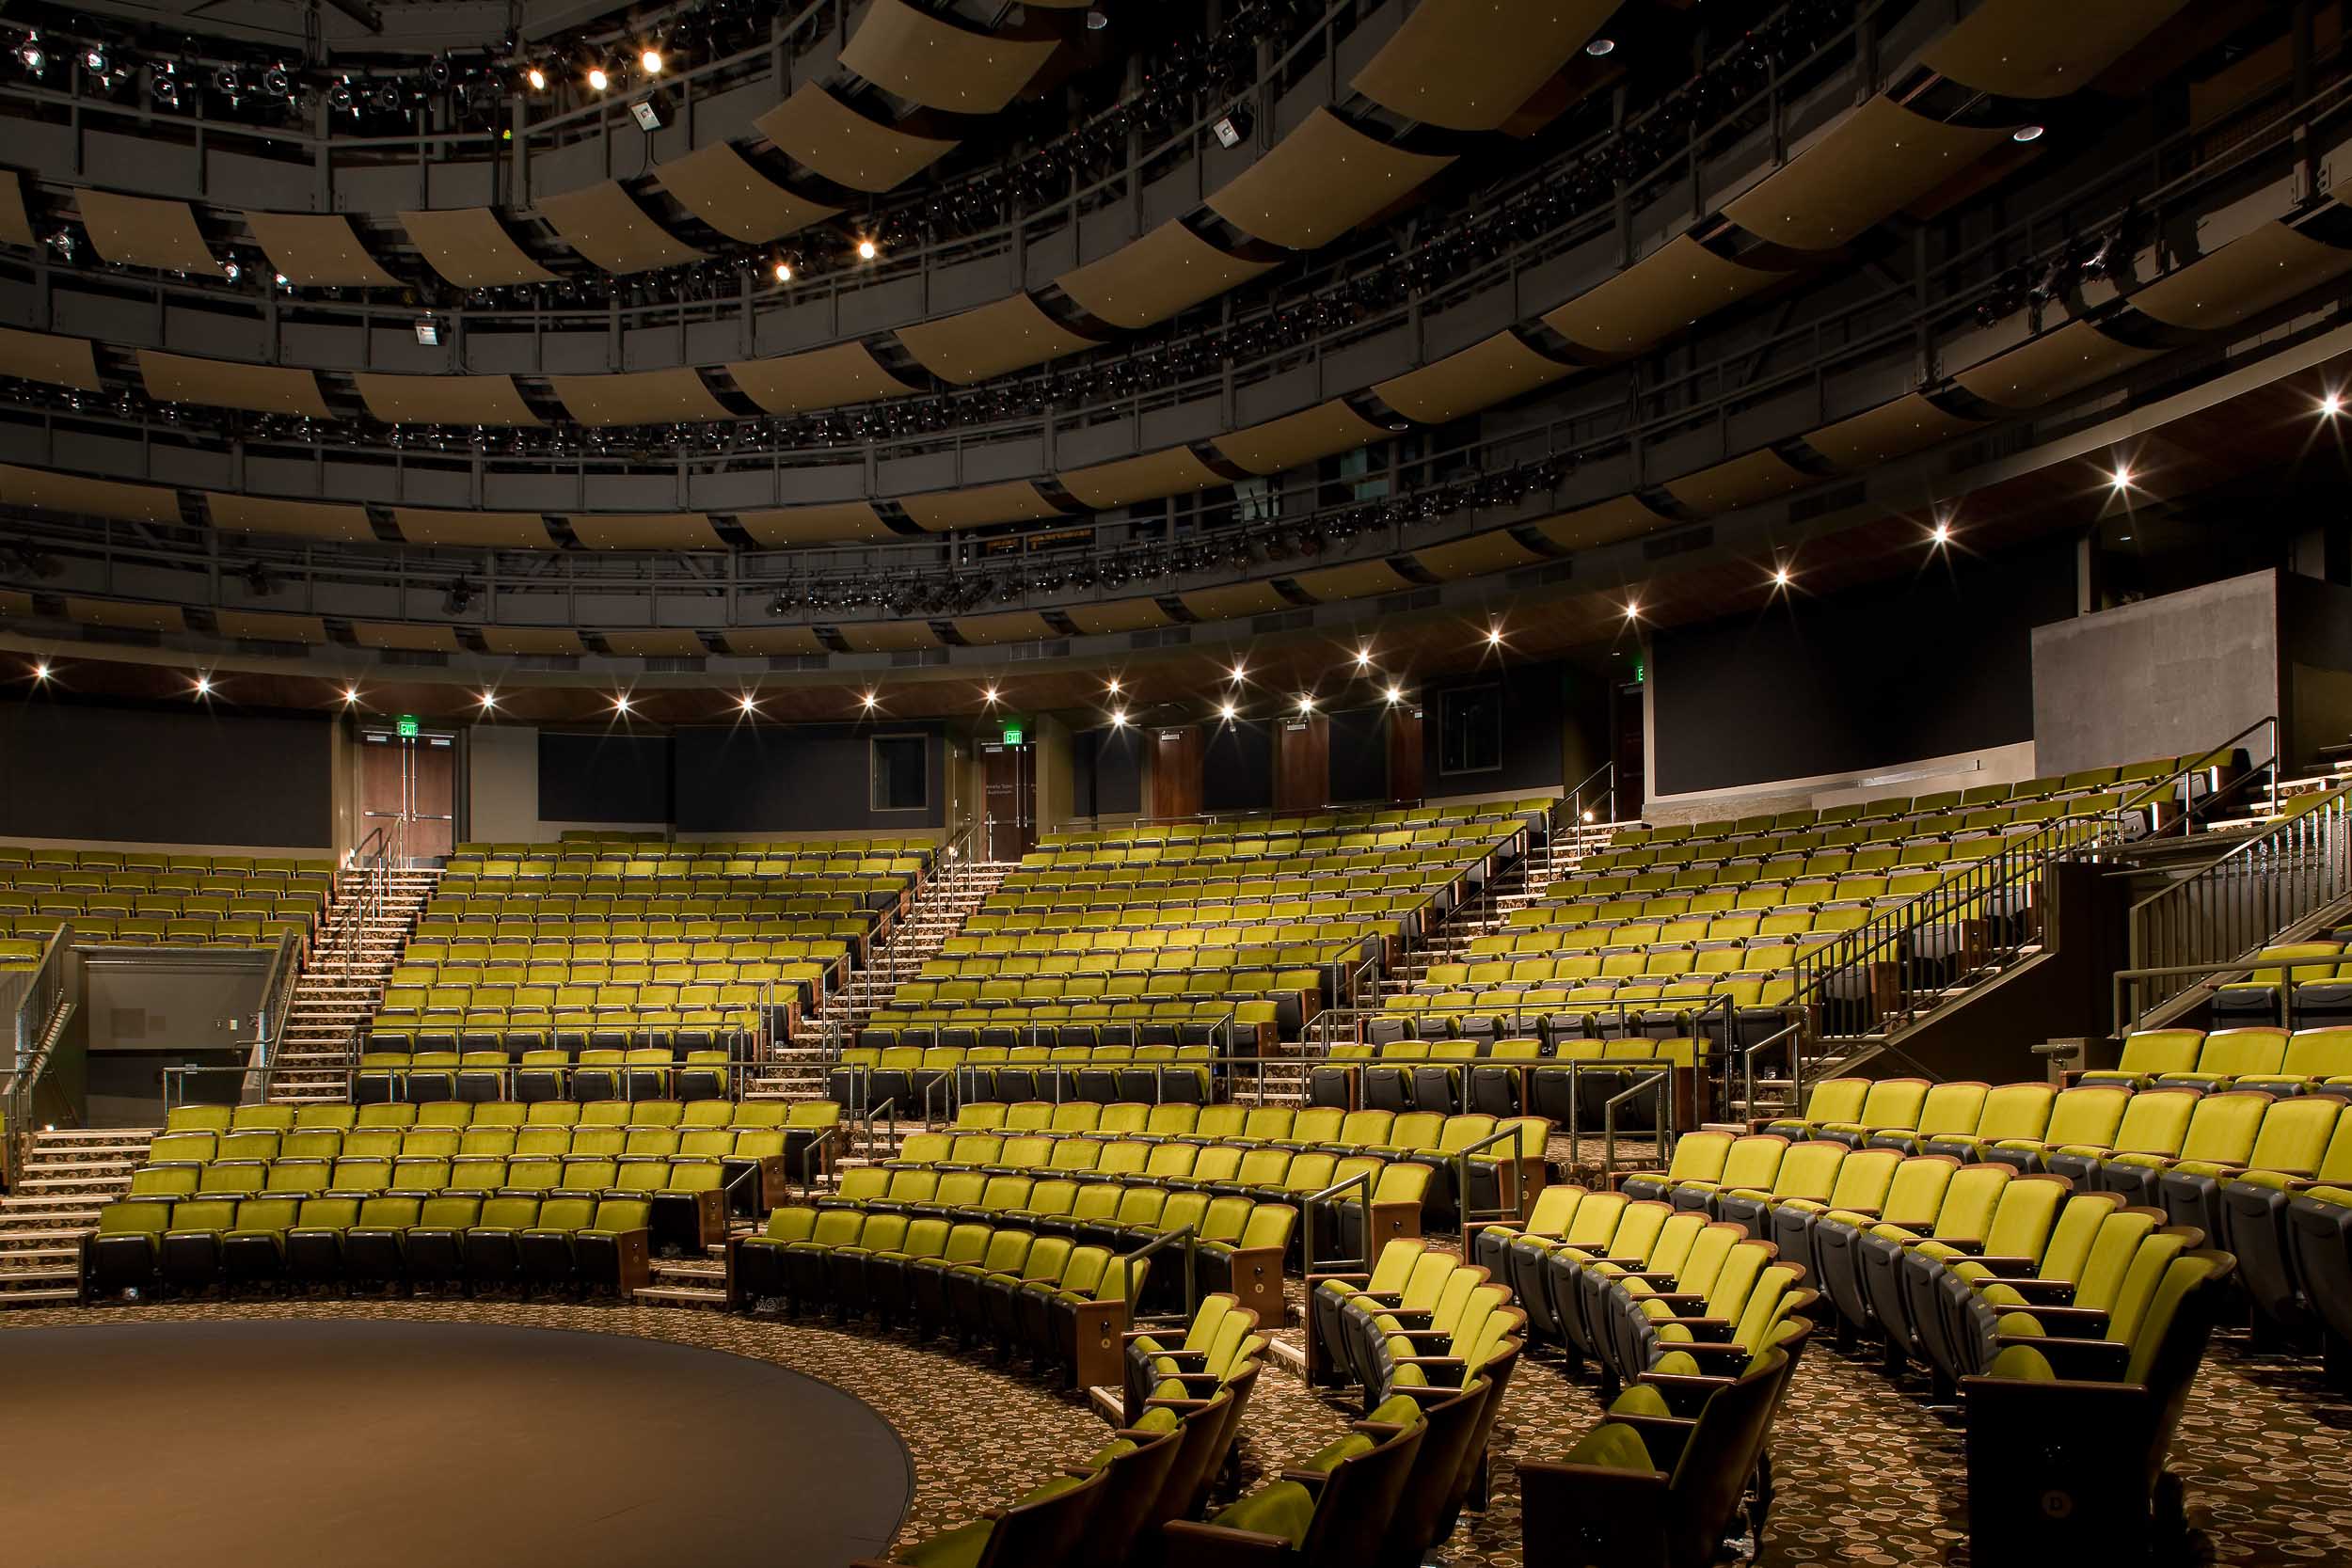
(2180, 783)
(1593, 799)
(2210, 923)
(1660, 1083)
(269, 1019)
(1189, 1239)
(44, 1003)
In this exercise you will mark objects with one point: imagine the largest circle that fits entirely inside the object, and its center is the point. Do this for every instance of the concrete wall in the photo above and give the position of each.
(502, 790)
(2162, 677)
(1920, 776)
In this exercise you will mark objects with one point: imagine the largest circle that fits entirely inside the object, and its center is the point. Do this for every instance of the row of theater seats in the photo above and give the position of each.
(1990, 1275)
(145, 900)
(2249, 1056)
(1566, 1079)
(915, 1078)
(690, 1116)
(1229, 1145)
(563, 1241)
(1253, 837)
(2301, 982)
(689, 1065)
(1158, 1467)
(1234, 1027)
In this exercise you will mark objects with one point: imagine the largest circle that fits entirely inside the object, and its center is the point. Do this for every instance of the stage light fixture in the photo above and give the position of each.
(651, 60)
(784, 272)
(597, 80)
(2025, 134)
(1602, 48)
(428, 332)
(537, 78)
(867, 250)
(1941, 534)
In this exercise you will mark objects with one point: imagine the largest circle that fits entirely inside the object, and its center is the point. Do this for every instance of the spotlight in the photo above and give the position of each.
(428, 332)
(1395, 694)
(620, 702)
(537, 78)
(2122, 479)
(1228, 712)
(489, 702)
(1602, 48)
(784, 272)
(30, 55)
(2025, 134)
(867, 250)
(94, 61)
(278, 82)
(164, 86)
(2330, 405)
(351, 696)
(231, 269)
(1306, 703)
(747, 704)
(203, 686)
(867, 701)
(651, 60)
(1588, 815)
(1119, 719)
(597, 80)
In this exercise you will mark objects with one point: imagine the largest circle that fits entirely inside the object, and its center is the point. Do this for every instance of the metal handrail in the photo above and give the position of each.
(1516, 1137)
(1308, 1263)
(2237, 904)
(1794, 1031)
(42, 1008)
(1128, 1261)
(1660, 1083)
(1574, 794)
(2163, 789)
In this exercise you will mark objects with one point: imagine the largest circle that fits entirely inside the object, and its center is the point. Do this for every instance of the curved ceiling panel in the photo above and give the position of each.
(1117, 616)
(1226, 604)
(1757, 476)
(815, 128)
(1009, 335)
(655, 643)
(1151, 477)
(50, 360)
(1017, 625)
(1468, 558)
(1467, 65)
(1495, 370)
(931, 61)
(849, 522)
(443, 399)
(2030, 49)
(332, 520)
(145, 231)
(2073, 357)
(545, 641)
(1871, 164)
(638, 397)
(821, 378)
(888, 637)
(125, 617)
(1300, 437)
(774, 641)
(1655, 297)
(16, 224)
(111, 499)
(512, 531)
(2255, 273)
(653, 531)
(406, 637)
(1321, 181)
(317, 250)
(1355, 581)
(1145, 281)
(1015, 502)
(261, 388)
(1625, 518)
(1910, 423)
(605, 224)
(719, 186)
(471, 249)
(265, 625)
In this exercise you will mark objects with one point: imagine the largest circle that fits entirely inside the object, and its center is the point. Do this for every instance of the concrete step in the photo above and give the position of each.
(660, 1295)
(49, 1296)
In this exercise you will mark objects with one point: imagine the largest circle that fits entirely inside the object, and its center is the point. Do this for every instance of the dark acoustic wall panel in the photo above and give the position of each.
(1533, 700)
(165, 776)
(604, 777)
(1107, 773)
(1937, 664)
(1359, 755)
(1237, 768)
(799, 779)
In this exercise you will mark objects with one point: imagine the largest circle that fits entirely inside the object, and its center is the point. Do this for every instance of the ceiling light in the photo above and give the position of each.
(987, 695)
(2330, 405)
(1780, 577)
(2025, 133)
(1633, 610)
(351, 696)
(1494, 637)
(747, 702)
(1306, 702)
(40, 671)
(1241, 672)
(489, 702)
(620, 702)
(867, 250)
(1111, 686)
(1395, 695)
(1941, 534)
(1363, 659)
(537, 78)
(2122, 477)
(1228, 712)
(867, 700)
(784, 272)
(1119, 719)
(651, 60)
(1600, 48)
(1588, 815)
(203, 686)
(428, 332)
(597, 80)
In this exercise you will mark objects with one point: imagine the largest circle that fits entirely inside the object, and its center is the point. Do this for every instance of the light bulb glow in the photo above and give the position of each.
(203, 686)
(1119, 719)
(597, 80)
(1494, 637)
(987, 695)
(784, 272)
(867, 700)
(1241, 673)
(2122, 477)
(1112, 686)
(489, 701)
(351, 696)
(1395, 695)
(537, 78)
(1780, 577)
(1306, 702)
(747, 702)
(651, 60)
(1940, 534)
(40, 671)
(2330, 405)
(1363, 659)
(1633, 610)
(1228, 712)
(867, 250)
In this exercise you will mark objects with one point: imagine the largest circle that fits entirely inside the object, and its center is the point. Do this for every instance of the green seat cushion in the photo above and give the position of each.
(2024, 1363)
(1160, 1420)
(1677, 1363)
(1284, 1509)
(1329, 1457)
(1643, 1399)
(1400, 1410)
(959, 1548)
(1118, 1448)
(1611, 1447)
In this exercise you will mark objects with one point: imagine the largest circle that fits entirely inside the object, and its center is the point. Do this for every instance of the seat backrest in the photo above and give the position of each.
(2088, 1114)
(2151, 1261)
(1699, 1157)
(2295, 1132)
(1808, 1170)
(2023, 1218)
(2017, 1111)
(1836, 1099)
(2224, 1126)
(2155, 1051)
(1754, 1160)
(2234, 1053)
(2156, 1121)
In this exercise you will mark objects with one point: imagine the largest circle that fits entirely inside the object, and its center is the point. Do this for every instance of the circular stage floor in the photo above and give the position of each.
(334, 1444)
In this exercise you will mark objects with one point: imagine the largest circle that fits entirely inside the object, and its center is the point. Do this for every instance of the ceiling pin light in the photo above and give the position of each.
(1363, 657)
(987, 695)
(620, 702)
(867, 700)
(1780, 577)
(1395, 694)
(1602, 48)
(2026, 134)
(1119, 719)
(867, 250)
(1112, 686)
(747, 704)
(1306, 703)
(2330, 405)
(203, 686)
(1241, 672)
(40, 671)
(784, 272)
(597, 80)
(1228, 712)
(1633, 610)
(536, 77)
(2122, 479)
(1494, 637)
(351, 696)
(489, 702)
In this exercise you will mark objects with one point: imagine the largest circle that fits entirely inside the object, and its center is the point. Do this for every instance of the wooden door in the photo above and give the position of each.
(1403, 754)
(1176, 756)
(408, 788)
(1302, 762)
(1629, 751)
(1008, 819)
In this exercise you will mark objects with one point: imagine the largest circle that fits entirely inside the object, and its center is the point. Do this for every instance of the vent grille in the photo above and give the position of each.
(676, 665)
(1827, 501)
(915, 658)
(1397, 604)
(1162, 637)
(784, 663)
(1023, 652)
(1540, 577)
(1283, 619)
(547, 663)
(1678, 543)
(415, 658)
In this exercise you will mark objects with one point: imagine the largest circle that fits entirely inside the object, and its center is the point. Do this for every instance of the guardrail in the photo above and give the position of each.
(2212, 921)
(44, 1003)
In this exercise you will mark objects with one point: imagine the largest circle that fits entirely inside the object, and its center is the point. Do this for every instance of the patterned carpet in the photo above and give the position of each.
(1868, 1473)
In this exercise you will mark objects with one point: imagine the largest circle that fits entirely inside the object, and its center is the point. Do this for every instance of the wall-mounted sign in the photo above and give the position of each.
(1012, 734)
(406, 725)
